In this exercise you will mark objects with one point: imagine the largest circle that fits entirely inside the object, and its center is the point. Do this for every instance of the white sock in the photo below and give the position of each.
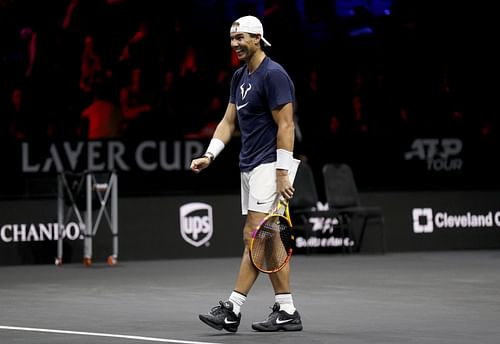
(286, 302)
(238, 300)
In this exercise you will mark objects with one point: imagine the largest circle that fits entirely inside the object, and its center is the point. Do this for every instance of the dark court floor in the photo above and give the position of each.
(427, 297)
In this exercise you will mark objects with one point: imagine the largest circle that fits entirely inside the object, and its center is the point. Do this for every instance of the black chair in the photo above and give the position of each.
(306, 195)
(342, 195)
(304, 204)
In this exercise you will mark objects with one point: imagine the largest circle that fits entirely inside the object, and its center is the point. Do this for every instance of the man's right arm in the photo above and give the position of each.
(222, 135)
(225, 128)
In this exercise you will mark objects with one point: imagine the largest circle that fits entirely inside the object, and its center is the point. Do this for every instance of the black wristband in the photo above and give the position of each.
(208, 155)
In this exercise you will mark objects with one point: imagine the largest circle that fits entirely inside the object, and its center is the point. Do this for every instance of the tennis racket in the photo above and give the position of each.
(272, 241)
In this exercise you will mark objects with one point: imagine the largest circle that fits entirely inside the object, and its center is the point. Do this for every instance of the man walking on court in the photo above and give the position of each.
(261, 99)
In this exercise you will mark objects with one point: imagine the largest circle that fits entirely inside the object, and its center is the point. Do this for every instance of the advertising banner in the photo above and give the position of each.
(439, 220)
(162, 167)
(149, 228)
(177, 227)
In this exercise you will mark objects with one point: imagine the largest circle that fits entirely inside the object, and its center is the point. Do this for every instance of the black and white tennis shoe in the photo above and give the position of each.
(279, 321)
(222, 317)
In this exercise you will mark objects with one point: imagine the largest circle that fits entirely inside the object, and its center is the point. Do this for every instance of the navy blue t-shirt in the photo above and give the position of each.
(255, 95)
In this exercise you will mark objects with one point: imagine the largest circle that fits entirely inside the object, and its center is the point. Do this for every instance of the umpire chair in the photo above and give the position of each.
(82, 195)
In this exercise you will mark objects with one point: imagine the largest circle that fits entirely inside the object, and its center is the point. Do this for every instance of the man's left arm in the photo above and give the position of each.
(283, 116)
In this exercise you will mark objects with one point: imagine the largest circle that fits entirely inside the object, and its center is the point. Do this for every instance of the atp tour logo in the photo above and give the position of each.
(422, 220)
(439, 154)
(196, 223)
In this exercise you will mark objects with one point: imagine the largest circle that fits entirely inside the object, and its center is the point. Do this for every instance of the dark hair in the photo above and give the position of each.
(262, 44)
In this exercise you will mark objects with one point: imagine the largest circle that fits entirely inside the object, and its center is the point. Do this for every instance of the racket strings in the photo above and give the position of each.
(272, 243)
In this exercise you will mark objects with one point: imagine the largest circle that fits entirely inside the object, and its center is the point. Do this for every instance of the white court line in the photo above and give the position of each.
(97, 334)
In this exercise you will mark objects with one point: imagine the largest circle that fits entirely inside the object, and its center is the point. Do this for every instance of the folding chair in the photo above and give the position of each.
(304, 204)
(342, 196)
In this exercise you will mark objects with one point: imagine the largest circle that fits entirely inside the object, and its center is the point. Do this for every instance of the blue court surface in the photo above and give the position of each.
(426, 297)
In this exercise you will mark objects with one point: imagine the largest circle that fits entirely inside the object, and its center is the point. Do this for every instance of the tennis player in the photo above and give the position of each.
(261, 101)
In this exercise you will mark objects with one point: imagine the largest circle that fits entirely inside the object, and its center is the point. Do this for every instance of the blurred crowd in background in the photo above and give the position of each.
(94, 69)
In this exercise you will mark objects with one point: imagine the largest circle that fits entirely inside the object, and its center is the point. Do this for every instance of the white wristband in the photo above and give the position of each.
(215, 147)
(283, 159)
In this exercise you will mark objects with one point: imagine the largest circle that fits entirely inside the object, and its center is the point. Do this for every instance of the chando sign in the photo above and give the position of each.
(427, 220)
(37, 232)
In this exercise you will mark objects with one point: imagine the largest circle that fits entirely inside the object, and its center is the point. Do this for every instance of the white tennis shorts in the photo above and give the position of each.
(258, 187)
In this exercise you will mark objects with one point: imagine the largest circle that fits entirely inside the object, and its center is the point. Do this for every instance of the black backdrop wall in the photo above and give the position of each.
(174, 227)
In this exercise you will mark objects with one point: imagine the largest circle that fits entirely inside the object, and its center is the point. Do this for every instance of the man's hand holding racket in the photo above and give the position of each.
(283, 185)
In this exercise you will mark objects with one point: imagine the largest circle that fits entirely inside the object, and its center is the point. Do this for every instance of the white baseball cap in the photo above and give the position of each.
(249, 24)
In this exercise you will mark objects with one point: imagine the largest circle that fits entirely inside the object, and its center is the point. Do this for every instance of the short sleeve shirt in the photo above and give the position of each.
(255, 96)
